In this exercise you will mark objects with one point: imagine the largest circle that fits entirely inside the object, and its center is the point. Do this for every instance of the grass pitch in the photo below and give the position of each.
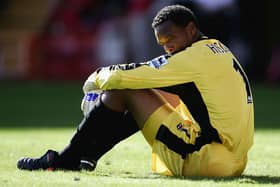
(127, 164)
(38, 116)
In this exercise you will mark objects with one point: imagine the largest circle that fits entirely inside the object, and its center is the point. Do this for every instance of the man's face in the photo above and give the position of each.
(172, 37)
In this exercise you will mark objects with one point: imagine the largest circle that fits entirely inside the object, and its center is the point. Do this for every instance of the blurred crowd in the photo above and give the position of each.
(81, 35)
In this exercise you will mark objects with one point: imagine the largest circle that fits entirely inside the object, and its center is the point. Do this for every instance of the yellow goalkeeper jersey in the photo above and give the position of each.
(208, 79)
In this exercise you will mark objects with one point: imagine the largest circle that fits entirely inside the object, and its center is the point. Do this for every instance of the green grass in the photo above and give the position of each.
(127, 164)
(36, 116)
(40, 104)
(52, 104)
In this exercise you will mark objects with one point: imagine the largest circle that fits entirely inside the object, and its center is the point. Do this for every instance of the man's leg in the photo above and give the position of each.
(109, 123)
(140, 103)
(92, 140)
(100, 130)
(97, 133)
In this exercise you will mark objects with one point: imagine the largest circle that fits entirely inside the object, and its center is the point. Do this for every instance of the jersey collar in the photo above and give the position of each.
(199, 38)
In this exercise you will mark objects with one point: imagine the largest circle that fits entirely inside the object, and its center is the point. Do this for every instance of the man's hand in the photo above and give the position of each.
(92, 94)
(89, 101)
(90, 83)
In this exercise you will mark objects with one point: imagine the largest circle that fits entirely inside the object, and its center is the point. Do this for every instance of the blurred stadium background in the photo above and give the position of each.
(49, 47)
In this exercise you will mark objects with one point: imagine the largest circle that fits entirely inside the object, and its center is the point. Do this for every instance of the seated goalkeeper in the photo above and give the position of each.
(193, 105)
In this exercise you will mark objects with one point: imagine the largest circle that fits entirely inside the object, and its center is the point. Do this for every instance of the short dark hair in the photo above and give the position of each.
(178, 14)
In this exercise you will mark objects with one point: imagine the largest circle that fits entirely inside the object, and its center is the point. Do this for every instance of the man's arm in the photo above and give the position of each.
(156, 73)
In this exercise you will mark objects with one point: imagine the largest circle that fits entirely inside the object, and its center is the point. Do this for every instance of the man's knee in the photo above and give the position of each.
(114, 99)
(141, 103)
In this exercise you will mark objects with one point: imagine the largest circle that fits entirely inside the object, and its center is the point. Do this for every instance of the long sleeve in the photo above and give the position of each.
(156, 73)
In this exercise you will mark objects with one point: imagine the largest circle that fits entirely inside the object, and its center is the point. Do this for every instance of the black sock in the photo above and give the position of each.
(97, 133)
(115, 133)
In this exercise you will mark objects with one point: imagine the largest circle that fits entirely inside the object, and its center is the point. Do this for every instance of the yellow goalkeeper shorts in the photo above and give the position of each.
(167, 130)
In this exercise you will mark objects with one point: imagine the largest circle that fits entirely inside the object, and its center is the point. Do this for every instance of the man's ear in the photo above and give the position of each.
(191, 29)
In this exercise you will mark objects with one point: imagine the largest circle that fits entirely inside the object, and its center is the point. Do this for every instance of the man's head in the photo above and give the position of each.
(175, 28)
